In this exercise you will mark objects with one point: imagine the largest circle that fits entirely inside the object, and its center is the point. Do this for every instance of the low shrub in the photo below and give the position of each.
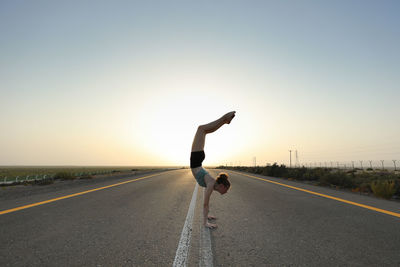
(338, 179)
(297, 173)
(397, 187)
(315, 174)
(86, 176)
(384, 189)
(276, 171)
(44, 181)
(64, 176)
(365, 188)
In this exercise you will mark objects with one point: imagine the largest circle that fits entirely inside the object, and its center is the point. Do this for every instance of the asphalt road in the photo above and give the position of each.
(140, 223)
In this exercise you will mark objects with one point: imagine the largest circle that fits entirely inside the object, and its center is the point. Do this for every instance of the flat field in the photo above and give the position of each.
(12, 173)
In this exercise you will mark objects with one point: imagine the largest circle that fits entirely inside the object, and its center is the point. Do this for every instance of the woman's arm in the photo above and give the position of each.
(207, 194)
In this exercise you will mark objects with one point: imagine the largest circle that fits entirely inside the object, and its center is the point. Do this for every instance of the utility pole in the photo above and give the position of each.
(352, 163)
(370, 164)
(382, 164)
(361, 165)
(297, 159)
(394, 162)
(290, 162)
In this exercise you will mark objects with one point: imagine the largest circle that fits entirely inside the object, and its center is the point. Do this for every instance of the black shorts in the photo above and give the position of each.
(196, 158)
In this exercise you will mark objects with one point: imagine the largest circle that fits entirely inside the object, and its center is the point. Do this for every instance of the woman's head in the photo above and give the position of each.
(222, 183)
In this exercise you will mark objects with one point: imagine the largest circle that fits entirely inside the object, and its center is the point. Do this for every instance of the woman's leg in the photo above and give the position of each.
(202, 130)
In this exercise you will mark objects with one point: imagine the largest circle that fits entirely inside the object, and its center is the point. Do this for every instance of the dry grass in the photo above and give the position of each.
(23, 173)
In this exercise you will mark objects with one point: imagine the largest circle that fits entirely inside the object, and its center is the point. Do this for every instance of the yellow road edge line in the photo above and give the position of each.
(326, 196)
(72, 195)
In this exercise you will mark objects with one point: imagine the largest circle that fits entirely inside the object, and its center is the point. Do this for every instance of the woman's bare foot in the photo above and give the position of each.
(229, 116)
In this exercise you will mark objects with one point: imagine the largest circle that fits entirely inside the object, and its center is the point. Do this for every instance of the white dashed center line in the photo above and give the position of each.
(182, 251)
(206, 257)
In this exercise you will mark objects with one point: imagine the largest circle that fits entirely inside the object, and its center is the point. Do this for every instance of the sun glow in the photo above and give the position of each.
(166, 125)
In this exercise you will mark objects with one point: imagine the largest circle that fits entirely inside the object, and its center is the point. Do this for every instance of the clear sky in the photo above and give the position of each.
(128, 82)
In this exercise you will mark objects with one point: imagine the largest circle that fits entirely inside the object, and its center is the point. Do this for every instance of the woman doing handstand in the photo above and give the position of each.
(203, 178)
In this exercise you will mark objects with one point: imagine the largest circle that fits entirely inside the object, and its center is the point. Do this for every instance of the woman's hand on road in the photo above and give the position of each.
(211, 225)
(210, 217)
